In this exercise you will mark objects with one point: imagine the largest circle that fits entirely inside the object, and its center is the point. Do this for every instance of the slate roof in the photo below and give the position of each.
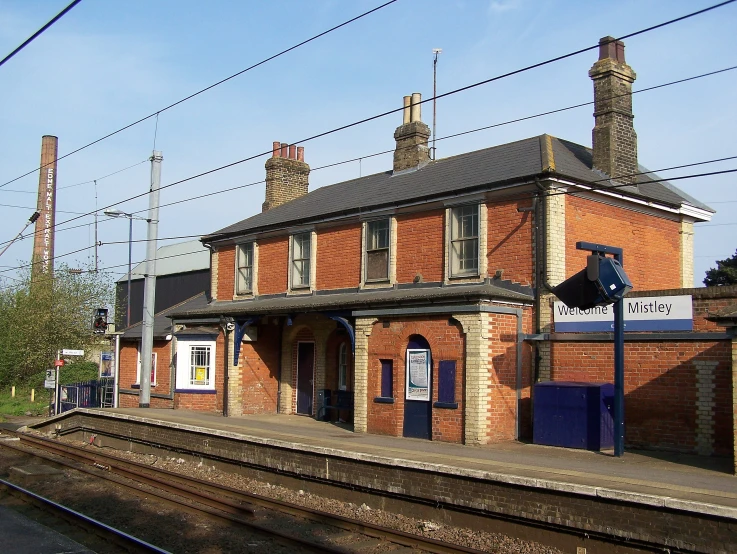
(162, 322)
(478, 170)
(424, 294)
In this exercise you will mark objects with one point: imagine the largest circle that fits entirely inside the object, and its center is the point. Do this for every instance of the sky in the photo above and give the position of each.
(107, 64)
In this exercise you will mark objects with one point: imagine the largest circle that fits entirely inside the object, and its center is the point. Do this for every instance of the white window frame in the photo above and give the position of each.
(370, 246)
(311, 261)
(457, 240)
(343, 366)
(154, 359)
(240, 288)
(184, 365)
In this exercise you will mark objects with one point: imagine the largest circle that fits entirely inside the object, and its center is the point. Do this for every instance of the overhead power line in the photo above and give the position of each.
(30, 39)
(156, 113)
(590, 186)
(366, 156)
(384, 114)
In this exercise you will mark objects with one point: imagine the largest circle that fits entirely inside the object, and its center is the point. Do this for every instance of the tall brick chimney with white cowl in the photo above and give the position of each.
(412, 151)
(614, 137)
(286, 175)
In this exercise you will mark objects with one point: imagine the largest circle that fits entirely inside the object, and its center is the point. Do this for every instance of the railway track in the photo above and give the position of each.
(229, 504)
(45, 511)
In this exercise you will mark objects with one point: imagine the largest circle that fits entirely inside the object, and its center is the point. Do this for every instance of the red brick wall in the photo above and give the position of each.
(661, 380)
(226, 272)
(509, 240)
(651, 244)
(447, 342)
(259, 362)
(129, 374)
(273, 265)
(420, 246)
(339, 257)
(503, 358)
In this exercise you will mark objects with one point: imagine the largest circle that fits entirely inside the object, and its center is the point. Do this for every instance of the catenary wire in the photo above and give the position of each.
(508, 122)
(374, 117)
(585, 188)
(30, 39)
(156, 113)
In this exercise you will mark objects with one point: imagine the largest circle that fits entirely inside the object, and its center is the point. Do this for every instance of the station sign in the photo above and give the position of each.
(70, 352)
(654, 313)
(58, 363)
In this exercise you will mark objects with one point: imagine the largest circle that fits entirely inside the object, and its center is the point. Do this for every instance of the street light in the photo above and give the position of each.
(131, 217)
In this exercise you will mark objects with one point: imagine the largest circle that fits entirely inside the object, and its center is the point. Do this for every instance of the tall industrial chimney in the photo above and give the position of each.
(43, 242)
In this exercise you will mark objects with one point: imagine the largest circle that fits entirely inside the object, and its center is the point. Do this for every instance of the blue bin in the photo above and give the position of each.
(574, 415)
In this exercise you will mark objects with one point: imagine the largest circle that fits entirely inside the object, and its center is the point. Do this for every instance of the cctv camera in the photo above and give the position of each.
(230, 326)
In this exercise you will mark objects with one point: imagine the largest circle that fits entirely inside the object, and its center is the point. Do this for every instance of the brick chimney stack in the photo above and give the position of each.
(614, 137)
(286, 175)
(412, 151)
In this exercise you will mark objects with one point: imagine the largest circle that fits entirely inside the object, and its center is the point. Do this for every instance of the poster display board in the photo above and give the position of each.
(418, 375)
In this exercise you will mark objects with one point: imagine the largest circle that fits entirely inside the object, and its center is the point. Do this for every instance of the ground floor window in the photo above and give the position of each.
(196, 365)
(154, 357)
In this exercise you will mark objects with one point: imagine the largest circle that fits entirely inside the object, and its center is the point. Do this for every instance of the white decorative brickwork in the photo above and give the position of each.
(705, 404)
(364, 327)
(235, 380)
(686, 232)
(478, 380)
(214, 274)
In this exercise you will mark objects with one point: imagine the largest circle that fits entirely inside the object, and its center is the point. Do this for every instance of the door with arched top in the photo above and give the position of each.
(418, 389)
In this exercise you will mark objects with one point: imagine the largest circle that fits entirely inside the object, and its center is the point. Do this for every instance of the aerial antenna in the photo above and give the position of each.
(436, 52)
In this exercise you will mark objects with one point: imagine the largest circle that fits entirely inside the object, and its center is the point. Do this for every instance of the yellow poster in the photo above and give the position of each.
(199, 373)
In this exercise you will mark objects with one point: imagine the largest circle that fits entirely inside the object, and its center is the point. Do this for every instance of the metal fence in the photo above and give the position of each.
(86, 394)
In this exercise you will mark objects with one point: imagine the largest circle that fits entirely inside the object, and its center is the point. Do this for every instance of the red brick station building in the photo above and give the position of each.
(417, 302)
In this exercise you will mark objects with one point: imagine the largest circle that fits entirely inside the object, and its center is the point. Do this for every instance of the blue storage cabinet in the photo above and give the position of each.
(574, 415)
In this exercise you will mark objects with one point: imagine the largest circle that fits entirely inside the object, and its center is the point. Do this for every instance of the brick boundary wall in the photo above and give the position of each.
(651, 519)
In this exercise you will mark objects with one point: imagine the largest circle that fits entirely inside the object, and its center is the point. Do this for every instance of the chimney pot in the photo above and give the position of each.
(292, 152)
(405, 111)
(416, 107)
(301, 153)
(609, 48)
(284, 150)
(275, 149)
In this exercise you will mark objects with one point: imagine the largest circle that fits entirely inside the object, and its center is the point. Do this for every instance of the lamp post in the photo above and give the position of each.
(131, 217)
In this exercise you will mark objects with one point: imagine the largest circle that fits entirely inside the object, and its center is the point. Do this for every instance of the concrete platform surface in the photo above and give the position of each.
(694, 483)
(21, 535)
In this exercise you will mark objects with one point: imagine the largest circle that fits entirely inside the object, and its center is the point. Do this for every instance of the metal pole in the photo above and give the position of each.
(149, 287)
(619, 373)
(435, 51)
(130, 249)
(57, 389)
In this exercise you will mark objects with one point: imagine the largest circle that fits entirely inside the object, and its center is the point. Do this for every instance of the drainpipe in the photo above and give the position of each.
(226, 324)
(116, 382)
(278, 371)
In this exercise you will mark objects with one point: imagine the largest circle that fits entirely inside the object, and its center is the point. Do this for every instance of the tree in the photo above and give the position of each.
(39, 317)
(724, 274)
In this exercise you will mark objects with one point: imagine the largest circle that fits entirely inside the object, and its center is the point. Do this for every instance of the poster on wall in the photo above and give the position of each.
(418, 375)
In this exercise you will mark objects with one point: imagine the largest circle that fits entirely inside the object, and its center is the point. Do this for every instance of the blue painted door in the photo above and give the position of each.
(418, 413)
(305, 376)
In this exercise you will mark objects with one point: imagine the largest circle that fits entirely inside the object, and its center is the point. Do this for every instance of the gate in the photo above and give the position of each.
(86, 394)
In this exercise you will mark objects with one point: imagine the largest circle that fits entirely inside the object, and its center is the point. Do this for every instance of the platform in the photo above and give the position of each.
(555, 484)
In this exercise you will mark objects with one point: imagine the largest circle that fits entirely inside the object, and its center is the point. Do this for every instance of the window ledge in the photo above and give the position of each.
(446, 405)
(138, 385)
(195, 391)
(384, 400)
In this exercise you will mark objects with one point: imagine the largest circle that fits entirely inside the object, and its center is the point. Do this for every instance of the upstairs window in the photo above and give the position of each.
(464, 241)
(301, 260)
(244, 269)
(377, 250)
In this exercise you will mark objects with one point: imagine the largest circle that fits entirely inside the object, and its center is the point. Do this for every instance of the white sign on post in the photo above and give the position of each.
(50, 381)
(70, 352)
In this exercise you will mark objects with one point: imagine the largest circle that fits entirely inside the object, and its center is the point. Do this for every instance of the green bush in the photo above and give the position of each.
(78, 371)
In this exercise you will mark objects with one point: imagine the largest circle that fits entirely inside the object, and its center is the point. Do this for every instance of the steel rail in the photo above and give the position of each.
(185, 484)
(126, 541)
(188, 498)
